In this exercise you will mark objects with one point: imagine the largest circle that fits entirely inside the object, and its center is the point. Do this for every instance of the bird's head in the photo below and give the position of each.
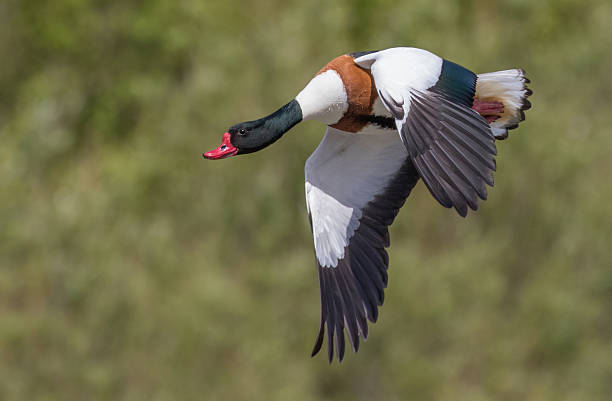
(241, 138)
(251, 136)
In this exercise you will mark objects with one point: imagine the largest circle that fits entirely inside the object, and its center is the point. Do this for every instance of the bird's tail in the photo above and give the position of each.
(501, 97)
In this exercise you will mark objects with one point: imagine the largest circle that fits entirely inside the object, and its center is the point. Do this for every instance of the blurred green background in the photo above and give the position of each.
(132, 269)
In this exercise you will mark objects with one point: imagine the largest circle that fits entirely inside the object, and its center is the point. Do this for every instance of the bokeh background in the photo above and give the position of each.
(132, 269)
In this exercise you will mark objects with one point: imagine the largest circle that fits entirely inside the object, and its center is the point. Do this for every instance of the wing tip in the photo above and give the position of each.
(319, 341)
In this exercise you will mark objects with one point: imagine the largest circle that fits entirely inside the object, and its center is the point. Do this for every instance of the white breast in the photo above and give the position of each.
(324, 98)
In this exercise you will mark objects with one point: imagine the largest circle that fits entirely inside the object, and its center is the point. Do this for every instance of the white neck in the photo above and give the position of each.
(324, 98)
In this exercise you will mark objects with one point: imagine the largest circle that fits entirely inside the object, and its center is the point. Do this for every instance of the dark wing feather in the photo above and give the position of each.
(452, 148)
(352, 291)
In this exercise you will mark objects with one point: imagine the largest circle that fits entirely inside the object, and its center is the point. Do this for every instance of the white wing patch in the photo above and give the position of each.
(343, 174)
(334, 224)
(398, 70)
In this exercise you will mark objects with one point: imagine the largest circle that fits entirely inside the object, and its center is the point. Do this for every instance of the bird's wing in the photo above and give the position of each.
(355, 186)
(451, 145)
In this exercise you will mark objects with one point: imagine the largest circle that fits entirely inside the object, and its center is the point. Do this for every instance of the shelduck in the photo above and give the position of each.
(393, 116)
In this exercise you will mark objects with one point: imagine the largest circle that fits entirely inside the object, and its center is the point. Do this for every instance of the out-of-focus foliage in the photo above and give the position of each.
(131, 269)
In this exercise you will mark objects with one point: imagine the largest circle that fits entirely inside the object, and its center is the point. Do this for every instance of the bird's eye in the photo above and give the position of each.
(242, 131)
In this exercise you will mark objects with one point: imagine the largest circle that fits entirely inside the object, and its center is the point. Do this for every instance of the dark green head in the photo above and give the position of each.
(251, 136)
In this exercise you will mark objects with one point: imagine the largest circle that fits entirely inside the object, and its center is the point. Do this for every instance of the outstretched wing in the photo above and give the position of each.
(355, 186)
(451, 145)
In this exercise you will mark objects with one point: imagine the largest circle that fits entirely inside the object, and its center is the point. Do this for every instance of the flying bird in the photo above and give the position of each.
(393, 117)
